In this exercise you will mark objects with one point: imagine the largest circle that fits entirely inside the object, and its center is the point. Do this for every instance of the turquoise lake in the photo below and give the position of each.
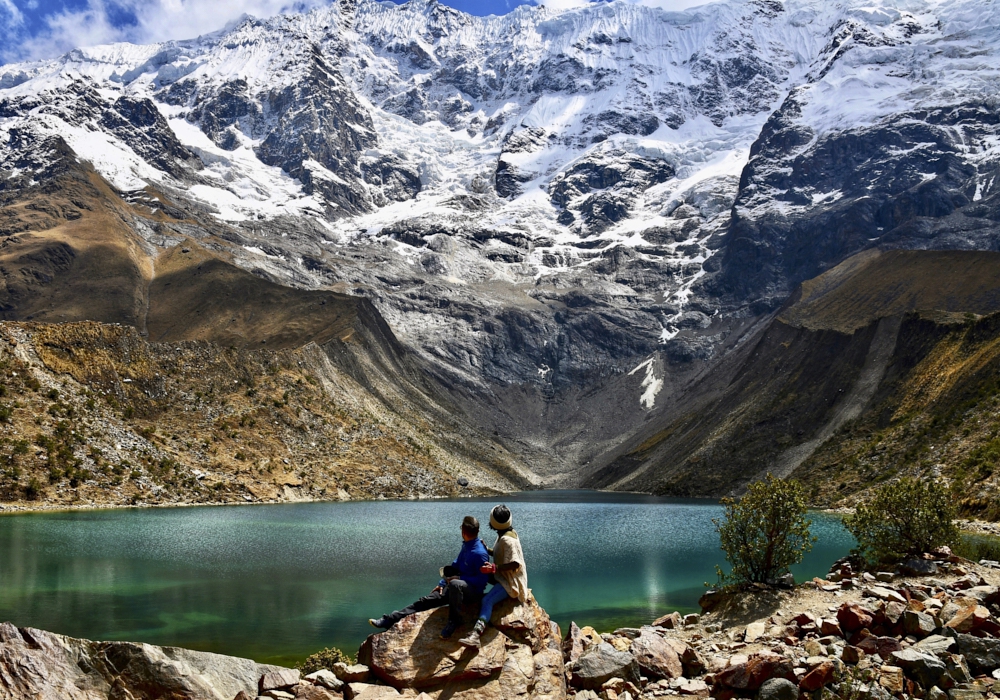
(277, 582)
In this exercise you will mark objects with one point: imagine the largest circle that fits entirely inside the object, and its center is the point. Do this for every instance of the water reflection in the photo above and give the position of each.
(277, 582)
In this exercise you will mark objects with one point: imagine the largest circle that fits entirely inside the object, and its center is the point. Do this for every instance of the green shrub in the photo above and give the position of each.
(765, 532)
(903, 518)
(977, 547)
(323, 659)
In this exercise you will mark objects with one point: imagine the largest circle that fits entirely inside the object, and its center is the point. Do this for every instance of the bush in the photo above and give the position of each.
(323, 659)
(765, 532)
(903, 518)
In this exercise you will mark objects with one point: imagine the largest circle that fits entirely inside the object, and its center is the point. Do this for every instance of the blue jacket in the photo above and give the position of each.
(468, 562)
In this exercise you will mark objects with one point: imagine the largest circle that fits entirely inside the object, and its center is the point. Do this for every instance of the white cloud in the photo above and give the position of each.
(155, 20)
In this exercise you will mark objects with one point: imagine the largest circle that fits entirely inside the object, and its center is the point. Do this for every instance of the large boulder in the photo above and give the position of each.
(46, 666)
(412, 653)
(601, 663)
(925, 669)
(656, 656)
(520, 657)
(750, 675)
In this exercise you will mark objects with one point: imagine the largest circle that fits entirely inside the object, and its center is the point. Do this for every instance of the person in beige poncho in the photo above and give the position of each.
(508, 566)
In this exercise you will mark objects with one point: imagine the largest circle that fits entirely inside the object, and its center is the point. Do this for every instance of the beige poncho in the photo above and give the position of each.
(507, 550)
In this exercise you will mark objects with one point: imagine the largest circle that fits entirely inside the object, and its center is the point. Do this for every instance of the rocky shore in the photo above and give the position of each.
(929, 630)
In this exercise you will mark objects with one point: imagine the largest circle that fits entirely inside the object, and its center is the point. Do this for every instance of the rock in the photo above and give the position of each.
(754, 631)
(982, 655)
(308, 691)
(368, 691)
(893, 612)
(358, 673)
(853, 617)
(918, 567)
(918, 624)
(601, 663)
(883, 646)
(696, 687)
(621, 643)
(813, 647)
(828, 627)
(964, 694)
(412, 654)
(922, 667)
(657, 657)
(749, 676)
(778, 689)
(710, 600)
(891, 678)
(968, 618)
(550, 675)
(669, 621)
(45, 666)
(275, 694)
(573, 643)
(818, 677)
(885, 576)
(935, 644)
(886, 594)
(936, 693)
(851, 655)
(526, 623)
(325, 678)
(278, 679)
(243, 695)
(691, 619)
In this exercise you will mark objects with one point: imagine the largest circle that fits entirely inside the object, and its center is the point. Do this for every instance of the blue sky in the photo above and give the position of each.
(32, 29)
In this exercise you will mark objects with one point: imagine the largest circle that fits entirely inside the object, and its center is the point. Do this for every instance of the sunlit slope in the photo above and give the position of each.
(828, 361)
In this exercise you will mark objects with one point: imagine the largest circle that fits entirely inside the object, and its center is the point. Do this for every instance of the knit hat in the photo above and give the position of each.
(500, 518)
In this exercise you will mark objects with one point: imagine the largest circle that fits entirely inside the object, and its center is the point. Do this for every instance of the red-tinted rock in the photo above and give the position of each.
(818, 677)
(883, 646)
(750, 675)
(670, 621)
(853, 617)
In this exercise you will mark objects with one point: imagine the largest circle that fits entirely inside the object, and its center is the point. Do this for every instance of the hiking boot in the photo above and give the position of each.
(472, 639)
(449, 629)
(379, 623)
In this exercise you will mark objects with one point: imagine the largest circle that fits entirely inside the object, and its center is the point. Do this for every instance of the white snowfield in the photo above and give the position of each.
(450, 93)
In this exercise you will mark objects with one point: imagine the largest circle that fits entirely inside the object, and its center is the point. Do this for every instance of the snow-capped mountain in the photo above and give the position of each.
(566, 214)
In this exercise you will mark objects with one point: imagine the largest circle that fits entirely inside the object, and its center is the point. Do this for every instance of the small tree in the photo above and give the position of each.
(324, 658)
(765, 532)
(903, 518)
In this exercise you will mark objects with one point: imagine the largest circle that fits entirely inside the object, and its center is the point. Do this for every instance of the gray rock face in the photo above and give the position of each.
(982, 654)
(601, 663)
(918, 624)
(778, 689)
(45, 666)
(918, 567)
(926, 669)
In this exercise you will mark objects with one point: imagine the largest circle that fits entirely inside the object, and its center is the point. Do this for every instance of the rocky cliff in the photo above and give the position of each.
(567, 216)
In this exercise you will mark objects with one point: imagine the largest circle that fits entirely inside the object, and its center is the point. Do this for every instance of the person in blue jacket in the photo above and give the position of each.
(462, 582)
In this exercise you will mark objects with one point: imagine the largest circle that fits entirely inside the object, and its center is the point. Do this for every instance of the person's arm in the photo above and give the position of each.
(509, 566)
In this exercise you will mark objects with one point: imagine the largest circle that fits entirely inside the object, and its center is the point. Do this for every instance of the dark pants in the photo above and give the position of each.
(454, 595)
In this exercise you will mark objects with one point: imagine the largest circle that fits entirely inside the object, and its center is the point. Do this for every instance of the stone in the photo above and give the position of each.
(982, 654)
(891, 678)
(696, 687)
(818, 677)
(749, 676)
(411, 654)
(918, 567)
(884, 576)
(621, 643)
(368, 691)
(918, 624)
(754, 631)
(883, 646)
(968, 618)
(549, 675)
(275, 694)
(893, 612)
(601, 663)
(243, 695)
(964, 694)
(828, 627)
(778, 689)
(853, 617)
(670, 621)
(936, 693)
(851, 655)
(657, 657)
(308, 691)
(935, 644)
(922, 667)
(277, 679)
(691, 619)
(325, 678)
(886, 594)
(526, 623)
(573, 643)
(812, 647)
(358, 673)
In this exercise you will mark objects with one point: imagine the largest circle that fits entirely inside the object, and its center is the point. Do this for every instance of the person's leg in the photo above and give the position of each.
(431, 600)
(457, 592)
(494, 596)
